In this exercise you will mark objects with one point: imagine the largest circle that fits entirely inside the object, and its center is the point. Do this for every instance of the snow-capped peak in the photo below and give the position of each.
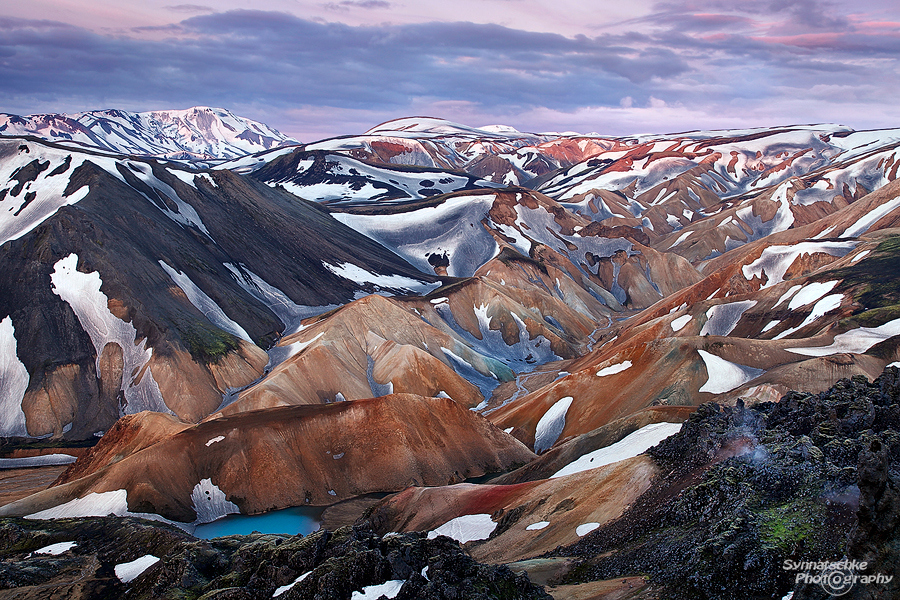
(197, 133)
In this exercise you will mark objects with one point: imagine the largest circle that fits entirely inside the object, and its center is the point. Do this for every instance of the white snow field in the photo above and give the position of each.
(82, 292)
(721, 319)
(551, 425)
(390, 282)
(823, 306)
(775, 260)
(388, 589)
(466, 528)
(585, 528)
(37, 461)
(280, 590)
(537, 526)
(210, 502)
(613, 369)
(452, 228)
(630, 446)
(56, 549)
(13, 383)
(128, 572)
(724, 376)
(679, 323)
(289, 313)
(856, 341)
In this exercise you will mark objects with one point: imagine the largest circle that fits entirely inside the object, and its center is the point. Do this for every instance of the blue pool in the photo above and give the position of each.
(300, 519)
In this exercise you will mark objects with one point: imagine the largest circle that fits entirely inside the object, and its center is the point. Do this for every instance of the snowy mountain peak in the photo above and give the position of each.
(197, 133)
(425, 126)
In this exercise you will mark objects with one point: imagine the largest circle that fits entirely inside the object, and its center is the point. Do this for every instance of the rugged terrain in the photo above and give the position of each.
(249, 325)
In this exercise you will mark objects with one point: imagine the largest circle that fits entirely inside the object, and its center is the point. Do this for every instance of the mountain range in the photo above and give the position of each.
(244, 323)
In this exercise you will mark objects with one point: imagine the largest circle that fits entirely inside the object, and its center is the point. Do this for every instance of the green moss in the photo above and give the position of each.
(788, 525)
(873, 288)
(207, 344)
(873, 317)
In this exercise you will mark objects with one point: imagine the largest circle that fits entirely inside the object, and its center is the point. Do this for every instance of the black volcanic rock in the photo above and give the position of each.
(123, 229)
(248, 567)
(810, 478)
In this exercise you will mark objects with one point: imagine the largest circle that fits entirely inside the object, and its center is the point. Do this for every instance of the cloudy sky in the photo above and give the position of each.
(314, 69)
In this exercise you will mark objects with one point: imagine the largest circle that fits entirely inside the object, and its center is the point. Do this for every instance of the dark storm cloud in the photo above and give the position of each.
(243, 56)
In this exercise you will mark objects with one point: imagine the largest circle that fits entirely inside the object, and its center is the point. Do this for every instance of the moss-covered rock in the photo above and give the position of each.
(248, 567)
(812, 477)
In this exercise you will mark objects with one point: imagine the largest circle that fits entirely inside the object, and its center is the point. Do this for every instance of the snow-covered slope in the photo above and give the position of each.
(127, 284)
(198, 133)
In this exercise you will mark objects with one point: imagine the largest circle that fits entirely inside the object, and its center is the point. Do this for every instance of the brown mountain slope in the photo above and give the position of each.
(290, 456)
(595, 496)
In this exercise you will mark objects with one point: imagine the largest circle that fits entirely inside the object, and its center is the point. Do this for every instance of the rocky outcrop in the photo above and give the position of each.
(807, 479)
(324, 565)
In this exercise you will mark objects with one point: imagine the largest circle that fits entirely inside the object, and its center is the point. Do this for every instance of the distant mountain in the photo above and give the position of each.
(198, 133)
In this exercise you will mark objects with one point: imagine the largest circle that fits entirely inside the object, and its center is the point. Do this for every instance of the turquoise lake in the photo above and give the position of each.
(300, 519)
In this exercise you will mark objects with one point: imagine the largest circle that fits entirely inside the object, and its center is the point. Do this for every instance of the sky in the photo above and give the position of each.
(316, 69)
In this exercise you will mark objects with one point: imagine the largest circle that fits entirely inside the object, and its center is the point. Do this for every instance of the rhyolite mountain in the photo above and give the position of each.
(195, 134)
(457, 299)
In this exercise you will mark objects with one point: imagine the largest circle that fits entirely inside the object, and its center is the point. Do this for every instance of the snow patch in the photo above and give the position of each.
(871, 218)
(585, 528)
(452, 228)
(218, 438)
(23, 216)
(279, 354)
(793, 290)
(537, 526)
(184, 214)
(388, 589)
(279, 591)
(278, 302)
(826, 304)
(37, 461)
(205, 304)
(810, 293)
(776, 260)
(721, 319)
(681, 238)
(466, 528)
(770, 325)
(82, 292)
(856, 341)
(551, 425)
(13, 383)
(359, 275)
(56, 549)
(613, 369)
(679, 323)
(210, 502)
(724, 376)
(630, 446)
(127, 572)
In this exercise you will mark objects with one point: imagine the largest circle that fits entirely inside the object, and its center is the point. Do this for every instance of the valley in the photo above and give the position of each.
(583, 358)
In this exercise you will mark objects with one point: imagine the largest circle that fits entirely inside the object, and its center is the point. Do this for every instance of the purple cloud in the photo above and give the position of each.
(351, 4)
(702, 57)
